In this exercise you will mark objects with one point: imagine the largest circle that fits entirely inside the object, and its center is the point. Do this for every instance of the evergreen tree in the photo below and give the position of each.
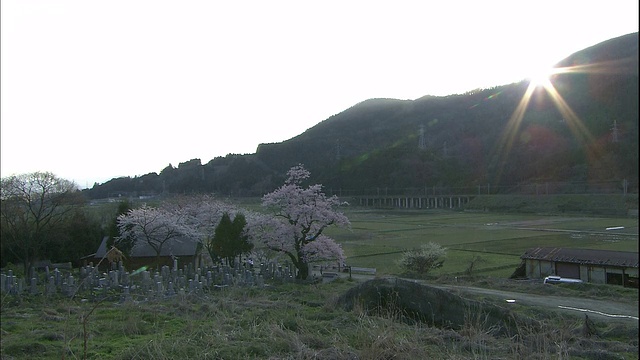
(241, 244)
(229, 240)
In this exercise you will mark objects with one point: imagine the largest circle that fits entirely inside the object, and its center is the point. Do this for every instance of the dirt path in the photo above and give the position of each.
(598, 309)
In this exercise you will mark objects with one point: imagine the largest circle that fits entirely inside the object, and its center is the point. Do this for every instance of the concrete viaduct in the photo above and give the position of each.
(414, 202)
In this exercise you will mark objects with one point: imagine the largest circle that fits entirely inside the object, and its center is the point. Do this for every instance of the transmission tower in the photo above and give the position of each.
(422, 144)
(614, 132)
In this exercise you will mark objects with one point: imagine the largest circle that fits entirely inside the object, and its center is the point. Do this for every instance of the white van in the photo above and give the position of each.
(560, 280)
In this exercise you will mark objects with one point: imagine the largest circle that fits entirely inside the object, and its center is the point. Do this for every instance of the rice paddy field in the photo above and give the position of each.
(377, 238)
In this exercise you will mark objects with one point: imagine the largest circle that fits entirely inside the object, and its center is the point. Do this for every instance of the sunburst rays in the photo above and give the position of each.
(574, 123)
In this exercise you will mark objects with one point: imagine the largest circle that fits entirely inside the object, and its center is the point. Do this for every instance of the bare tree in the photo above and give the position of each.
(473, 264)
(32, 206)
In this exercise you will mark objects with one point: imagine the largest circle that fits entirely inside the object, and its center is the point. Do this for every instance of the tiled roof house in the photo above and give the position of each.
(185, 250)
(588, 265)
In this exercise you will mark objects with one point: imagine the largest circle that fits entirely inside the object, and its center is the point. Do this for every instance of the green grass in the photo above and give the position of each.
(378, 237)
(302, 322)
(609, 204)
(287, 321)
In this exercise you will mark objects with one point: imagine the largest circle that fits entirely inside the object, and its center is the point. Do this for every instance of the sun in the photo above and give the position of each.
(541, 77)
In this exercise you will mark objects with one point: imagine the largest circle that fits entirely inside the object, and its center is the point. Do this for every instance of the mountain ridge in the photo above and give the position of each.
(378, 143)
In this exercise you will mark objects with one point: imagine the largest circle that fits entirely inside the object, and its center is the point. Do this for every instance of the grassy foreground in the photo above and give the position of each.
(303, 321)
(286, 321)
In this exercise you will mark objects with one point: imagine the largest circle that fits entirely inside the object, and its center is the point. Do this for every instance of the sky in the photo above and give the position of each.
(94, 90)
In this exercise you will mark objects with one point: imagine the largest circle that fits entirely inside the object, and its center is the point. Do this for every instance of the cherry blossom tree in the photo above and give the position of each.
(184, 218)
(429, 256)
(298, 217)
(204, 215)
(155, 227)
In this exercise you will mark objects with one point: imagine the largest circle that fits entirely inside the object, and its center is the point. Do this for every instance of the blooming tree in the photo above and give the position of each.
(201, 213)
(429, 256)
(181, 218)
(298, 218)
(204, 215)
(155, 227)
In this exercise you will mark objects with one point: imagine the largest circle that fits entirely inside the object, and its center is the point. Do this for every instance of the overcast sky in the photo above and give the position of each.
(93, 90)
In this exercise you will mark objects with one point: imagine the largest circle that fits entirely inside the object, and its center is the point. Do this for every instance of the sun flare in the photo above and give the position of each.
(541, 77)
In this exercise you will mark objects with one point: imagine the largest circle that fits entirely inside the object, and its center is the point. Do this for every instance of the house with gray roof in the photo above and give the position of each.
(185, 250)
(588, 265)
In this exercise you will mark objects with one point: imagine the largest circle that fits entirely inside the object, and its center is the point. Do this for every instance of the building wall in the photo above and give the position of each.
(532, 269)
(538, 269)
(567, 270)
(595, 274)
(584, 273)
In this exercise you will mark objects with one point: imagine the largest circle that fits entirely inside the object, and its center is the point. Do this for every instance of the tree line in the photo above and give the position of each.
(45, 217)
(40, 216)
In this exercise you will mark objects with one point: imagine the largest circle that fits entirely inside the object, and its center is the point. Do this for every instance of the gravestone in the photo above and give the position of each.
(33, 288)
(50, 287)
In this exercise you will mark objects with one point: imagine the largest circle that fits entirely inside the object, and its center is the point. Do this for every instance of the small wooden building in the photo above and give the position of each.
(588, 265)
(184, 250)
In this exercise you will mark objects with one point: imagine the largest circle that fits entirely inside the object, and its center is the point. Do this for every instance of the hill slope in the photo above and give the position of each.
(583, 131)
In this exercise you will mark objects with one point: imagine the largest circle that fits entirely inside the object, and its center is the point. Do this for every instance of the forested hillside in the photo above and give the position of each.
(582, 131)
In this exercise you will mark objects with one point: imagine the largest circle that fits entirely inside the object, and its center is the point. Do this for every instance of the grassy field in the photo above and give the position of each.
(378, 237)
(304, 321)
(290, 321)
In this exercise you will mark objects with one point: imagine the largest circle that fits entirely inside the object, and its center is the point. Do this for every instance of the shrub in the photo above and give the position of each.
(428, 256)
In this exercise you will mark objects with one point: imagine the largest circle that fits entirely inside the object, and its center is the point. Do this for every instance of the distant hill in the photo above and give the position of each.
(455, 142)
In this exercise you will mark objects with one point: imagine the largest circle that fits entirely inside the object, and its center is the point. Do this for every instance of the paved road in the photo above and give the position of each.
(597, 309)
(605, 310)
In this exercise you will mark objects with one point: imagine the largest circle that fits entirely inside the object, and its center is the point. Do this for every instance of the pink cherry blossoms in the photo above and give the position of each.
(299, 216)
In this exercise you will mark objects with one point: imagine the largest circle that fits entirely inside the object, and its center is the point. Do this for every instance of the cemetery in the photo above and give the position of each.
(141, 284)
